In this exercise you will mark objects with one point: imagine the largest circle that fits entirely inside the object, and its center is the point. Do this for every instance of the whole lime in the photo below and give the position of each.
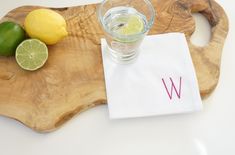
(11, 35)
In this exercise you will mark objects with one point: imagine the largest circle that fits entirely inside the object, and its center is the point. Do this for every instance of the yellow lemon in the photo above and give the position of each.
(45, 25)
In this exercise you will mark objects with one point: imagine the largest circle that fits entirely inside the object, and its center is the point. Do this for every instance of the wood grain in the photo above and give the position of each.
(72, 79)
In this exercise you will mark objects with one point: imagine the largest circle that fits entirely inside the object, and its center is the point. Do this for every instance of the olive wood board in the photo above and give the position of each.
(72, 80)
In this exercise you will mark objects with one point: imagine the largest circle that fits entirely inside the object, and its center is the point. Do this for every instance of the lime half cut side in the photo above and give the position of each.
(31, 54)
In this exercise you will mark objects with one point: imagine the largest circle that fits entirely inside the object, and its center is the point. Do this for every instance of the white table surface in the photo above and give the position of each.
(210, 132)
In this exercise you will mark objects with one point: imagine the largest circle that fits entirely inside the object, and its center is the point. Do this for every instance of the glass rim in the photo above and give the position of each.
(149, 24)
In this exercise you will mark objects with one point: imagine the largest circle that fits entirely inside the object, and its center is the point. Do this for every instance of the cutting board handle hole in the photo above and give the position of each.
(202, 34)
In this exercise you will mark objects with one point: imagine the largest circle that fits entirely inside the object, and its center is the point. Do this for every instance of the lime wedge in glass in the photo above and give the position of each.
(31, 54)
(132, 24)
(127, 26)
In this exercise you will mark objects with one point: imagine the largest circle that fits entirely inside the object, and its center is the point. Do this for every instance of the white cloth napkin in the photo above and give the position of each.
(161, 81)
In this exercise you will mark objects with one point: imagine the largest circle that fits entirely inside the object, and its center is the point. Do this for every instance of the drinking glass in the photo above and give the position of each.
(125, 24)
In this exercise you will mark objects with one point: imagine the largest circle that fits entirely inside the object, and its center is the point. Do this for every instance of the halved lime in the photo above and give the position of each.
(31, 54)
(133, 24)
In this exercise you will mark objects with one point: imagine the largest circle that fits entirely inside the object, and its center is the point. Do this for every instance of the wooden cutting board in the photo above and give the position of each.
(73, 81)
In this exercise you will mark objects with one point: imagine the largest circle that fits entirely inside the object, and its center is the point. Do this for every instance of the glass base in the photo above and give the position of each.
(122, 58)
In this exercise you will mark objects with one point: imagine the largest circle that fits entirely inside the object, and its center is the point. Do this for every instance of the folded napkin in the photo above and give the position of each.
(161, 81)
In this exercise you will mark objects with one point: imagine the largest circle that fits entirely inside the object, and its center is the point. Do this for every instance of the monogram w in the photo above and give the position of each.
(173, 87)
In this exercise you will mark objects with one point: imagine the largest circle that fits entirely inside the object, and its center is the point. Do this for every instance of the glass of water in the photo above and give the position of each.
(125, 23)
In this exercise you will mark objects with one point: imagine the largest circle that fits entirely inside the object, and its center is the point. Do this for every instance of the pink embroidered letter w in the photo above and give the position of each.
(178, 92)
